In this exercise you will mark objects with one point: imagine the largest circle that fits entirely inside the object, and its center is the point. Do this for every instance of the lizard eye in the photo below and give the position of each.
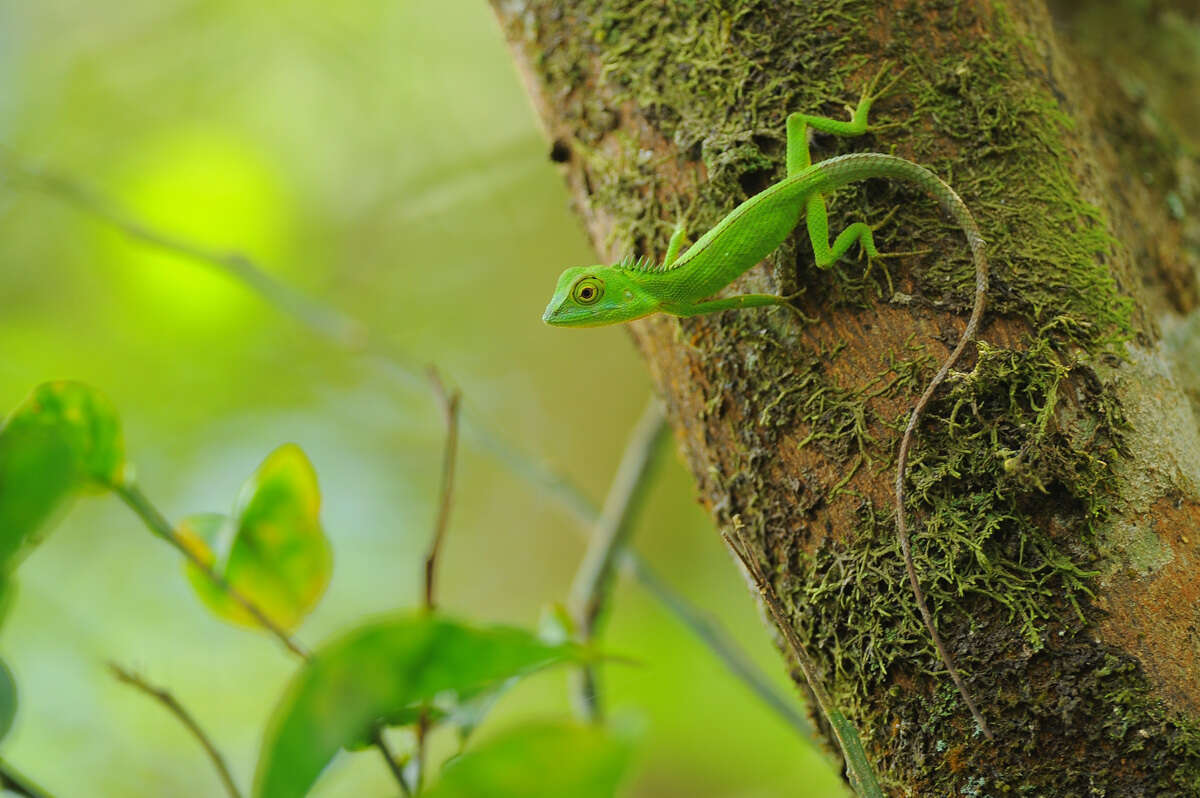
(588, 290)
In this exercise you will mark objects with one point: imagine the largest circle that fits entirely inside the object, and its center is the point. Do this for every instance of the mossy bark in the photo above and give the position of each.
(1055, 487)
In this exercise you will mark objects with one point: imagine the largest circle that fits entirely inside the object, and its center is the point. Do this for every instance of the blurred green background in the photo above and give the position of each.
(383, 157)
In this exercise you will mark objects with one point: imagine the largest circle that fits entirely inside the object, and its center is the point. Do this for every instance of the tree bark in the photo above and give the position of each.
(1055, 484)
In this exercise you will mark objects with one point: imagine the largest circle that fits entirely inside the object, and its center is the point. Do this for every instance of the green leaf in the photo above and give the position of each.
(539, 761)
(273, 551)
(8, 699)
(64, 438)
(384, 671)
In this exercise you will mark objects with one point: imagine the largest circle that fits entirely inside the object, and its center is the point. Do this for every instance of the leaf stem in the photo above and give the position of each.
(162, 696)
(592, 586)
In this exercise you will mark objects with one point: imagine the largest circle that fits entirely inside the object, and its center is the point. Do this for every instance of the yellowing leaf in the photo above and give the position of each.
(381, 672)
(64, 438)
(273, 551)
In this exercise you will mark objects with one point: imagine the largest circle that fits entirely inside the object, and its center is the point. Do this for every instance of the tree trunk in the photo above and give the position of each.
(1055, 484)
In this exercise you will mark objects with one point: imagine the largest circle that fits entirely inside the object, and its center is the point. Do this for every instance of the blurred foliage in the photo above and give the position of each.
(381, 156)
(386, 672)
(62, 439)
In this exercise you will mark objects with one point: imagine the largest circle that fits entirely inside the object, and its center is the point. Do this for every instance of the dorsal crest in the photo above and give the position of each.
(639, 264)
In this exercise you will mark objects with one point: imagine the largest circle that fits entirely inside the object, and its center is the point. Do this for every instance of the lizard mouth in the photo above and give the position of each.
(560, 316)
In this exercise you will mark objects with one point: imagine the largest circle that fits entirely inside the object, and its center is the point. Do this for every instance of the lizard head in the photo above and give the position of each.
(590, 296)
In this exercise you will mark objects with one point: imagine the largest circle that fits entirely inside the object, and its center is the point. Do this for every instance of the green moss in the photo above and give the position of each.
(1014, 459)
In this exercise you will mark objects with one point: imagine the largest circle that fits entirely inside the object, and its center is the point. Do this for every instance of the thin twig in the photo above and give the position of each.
(17, 783)
(449, 400)
(350, 334)
(158, 524)
(164, 697)
(862, 775)
(714, 637)
(591, 588)
(390, 760)
(132, 495)
(450, 404)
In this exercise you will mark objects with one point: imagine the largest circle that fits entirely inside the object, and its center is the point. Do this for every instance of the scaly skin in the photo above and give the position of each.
(589, 296)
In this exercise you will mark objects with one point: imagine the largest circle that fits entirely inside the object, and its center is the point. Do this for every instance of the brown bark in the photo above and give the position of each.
(1056, 481)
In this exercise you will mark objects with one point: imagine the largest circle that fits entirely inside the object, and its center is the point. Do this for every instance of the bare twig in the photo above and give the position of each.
(162, 696)
(591, 588)
(18, 784)
(862, 775)
(450, 403)
(351, 334)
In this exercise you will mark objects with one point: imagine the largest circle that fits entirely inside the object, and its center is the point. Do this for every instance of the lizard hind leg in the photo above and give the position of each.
(817, 221)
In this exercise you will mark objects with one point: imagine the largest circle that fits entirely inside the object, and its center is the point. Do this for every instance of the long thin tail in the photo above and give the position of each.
(844, 169)
(953, 204)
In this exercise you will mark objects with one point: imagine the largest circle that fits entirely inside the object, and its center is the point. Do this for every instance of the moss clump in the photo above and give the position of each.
(1007, 450)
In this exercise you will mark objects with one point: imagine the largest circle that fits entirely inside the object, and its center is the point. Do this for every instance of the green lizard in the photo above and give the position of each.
(684, 284)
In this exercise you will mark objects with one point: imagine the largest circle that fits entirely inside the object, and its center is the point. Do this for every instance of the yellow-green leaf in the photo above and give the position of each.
(547, 760)
(381, 671)
(273, 551)
(64, 438)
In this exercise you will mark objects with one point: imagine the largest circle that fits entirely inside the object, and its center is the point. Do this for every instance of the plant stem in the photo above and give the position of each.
(592, 586)
(162, 696)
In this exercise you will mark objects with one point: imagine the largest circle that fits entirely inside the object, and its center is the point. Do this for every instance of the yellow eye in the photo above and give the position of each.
(588, 290)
